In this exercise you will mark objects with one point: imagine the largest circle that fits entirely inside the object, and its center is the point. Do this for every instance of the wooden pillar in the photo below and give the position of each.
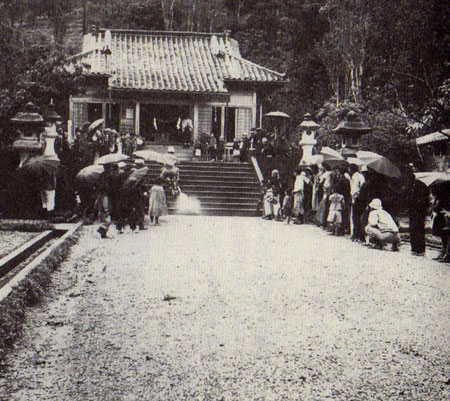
(222, 124)
(254, 106)
(104, 116)
(195, 122)
(260, 116)
(137, 114)
(70, 125)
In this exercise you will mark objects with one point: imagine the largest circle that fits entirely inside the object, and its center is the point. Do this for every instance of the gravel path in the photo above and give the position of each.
(10, 240)
(219, 308)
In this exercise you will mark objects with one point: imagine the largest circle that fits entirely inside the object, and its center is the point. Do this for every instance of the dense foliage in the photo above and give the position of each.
(388, 59)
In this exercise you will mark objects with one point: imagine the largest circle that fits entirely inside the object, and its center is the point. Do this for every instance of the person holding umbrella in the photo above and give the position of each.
(418, 204)
(357, 181)
(106, 199)
(86, 181)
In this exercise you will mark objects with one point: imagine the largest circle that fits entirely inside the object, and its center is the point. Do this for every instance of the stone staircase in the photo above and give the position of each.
(182, 153)
(223, 189)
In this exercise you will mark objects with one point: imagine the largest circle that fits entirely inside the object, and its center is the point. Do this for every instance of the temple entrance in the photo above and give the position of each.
(230, 124)
(94, 111)
(160, 123)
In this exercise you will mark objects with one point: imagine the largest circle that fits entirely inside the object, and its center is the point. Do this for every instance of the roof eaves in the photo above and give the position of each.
(159, 33)
(243, 60)
(224, 93)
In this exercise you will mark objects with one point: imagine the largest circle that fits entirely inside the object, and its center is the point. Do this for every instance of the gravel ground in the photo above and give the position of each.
(219, 308)
(10, 240)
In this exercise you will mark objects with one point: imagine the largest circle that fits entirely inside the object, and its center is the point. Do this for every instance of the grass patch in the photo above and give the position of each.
(28, 294)
(25, 225)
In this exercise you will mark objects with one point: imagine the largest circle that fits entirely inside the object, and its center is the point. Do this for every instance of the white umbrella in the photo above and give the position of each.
(277, 114)
(111, 158)
(378, 163)
(432, 177)
(96, 124)
(152, 156)
(329, 153)
(355, 160)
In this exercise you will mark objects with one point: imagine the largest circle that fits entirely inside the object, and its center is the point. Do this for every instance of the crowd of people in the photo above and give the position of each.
(344, 199)
(268, 148)
(123, 198)
(357, 201)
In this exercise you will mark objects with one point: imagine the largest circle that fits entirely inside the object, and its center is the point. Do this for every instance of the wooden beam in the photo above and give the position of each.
(137, 118)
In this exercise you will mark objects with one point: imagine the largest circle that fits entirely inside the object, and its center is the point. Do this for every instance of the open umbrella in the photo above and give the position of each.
(355, 160)
(329, 156)
(136, 178)
(41, 165)
(329, 153)
(90, 175)
(378, 163)
(41, 170)
(432, 178)
(111, 158)
(96, 124)
(277, 114)
(152, 156)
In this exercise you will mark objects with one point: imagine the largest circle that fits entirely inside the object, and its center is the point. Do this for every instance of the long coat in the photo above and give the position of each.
(157, 202)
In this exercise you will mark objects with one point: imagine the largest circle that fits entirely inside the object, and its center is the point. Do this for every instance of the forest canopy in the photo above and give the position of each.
(389, 60)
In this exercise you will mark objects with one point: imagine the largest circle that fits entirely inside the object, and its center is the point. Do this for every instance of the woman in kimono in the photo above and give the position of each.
(157, 202)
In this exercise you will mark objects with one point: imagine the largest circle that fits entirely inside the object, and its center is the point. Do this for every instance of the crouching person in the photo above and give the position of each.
(381, 228)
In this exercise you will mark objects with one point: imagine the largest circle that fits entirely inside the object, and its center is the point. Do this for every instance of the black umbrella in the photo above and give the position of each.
(136, 178)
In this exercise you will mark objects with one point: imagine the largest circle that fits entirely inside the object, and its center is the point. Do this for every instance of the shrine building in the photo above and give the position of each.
(149, 82)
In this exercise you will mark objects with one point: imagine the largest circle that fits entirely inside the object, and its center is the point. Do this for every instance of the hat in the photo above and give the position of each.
(264, 140)
(375, 204)
(170, 149)
(275, 172)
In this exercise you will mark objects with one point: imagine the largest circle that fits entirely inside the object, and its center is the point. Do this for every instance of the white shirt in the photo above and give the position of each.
(356, 183)
(383, 221)
(300, 182)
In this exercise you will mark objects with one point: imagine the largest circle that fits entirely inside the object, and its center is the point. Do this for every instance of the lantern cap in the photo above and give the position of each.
(29, 115)
(352, 124)
(51, 114)
(308, 123)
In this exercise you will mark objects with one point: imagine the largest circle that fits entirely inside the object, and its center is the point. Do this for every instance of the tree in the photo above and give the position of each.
(343, 50)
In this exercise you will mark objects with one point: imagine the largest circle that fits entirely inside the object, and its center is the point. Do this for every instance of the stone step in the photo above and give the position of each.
(232, 187)
(222, 188)
(209, 174)
(217, 180)
(223, 212)
(225, 199)
(214, 193)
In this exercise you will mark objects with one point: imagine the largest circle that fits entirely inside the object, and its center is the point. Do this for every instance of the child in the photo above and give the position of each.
(287, 206)
(157, 202)
(337, 205)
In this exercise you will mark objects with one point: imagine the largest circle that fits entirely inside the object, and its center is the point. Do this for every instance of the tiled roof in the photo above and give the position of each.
(171, 61)
(433, 137)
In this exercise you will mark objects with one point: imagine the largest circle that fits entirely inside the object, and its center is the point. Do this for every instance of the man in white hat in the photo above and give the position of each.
(381, 228)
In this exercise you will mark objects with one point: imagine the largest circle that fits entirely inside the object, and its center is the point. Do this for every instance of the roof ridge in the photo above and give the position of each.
(166, 33)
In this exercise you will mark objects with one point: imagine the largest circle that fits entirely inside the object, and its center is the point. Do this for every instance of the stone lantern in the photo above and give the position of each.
(351, 129)
(29, 124)
(50, 134)
(308, 141)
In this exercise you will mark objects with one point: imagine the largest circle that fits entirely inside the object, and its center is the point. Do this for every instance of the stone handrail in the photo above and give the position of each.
(257, 170)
